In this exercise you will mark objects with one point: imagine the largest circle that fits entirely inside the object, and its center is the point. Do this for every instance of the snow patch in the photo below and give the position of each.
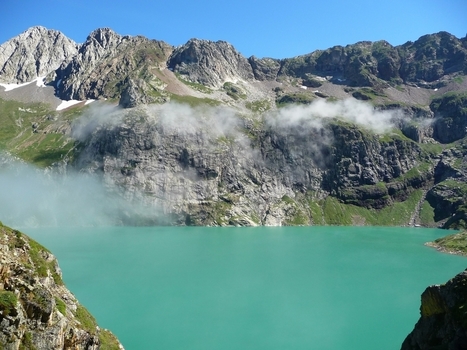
(9, 87)
(66, 104)
(88, 102)
(40, 82)
(303, 87)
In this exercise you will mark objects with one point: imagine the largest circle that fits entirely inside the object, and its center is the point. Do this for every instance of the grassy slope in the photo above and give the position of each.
(35, 133)
(453, 244)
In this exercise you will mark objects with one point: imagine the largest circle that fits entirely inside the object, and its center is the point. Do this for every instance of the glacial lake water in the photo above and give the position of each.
(251, 288)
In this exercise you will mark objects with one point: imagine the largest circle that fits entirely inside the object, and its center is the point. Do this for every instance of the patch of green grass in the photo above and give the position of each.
(61, 306)
(396, 214)
(194, 101)
(454, 243)
(86, 319)
(26, 342)
(366, 94)
(427, 214)
(295, 97)
(40, 264)
(33, 132)
(400, 88)
(8, 302)
(219, 210)
(459, 79)
(258, 106)
(108, 340)
(316, 212)
(432, 149)
(47, 150)
(298, 218)
(234, 91)
(195, 86)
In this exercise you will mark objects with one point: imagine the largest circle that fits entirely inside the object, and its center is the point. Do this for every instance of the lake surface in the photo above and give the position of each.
(251, 288)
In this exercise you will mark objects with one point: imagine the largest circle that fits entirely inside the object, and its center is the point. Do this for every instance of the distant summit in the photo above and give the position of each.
(106, 62)
(34, 53)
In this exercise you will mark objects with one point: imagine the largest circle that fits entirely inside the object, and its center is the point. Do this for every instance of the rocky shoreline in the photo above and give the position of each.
(37, 311)
(455, 244)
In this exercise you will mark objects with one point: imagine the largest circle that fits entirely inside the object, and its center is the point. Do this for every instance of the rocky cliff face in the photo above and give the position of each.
(106, 62)
(210, 63)
(443, 321)
(205, 164)
(36, 310)
(214, 167)
(34, 53)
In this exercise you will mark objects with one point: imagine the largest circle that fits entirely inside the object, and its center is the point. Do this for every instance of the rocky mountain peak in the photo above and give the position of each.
(34, 53)
(210, 63)
(105, 37)
(104, 63)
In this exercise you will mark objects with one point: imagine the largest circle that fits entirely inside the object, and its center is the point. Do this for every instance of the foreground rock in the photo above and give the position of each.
(443, 321)
(36, 310)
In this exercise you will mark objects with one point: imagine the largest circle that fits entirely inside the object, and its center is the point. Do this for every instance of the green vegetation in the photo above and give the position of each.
(219, 209)
(452, 101)
(294, 97)
(234, 91)
(26, 342)
(298, 217)
(195, 86)
(335, 212)
(258, 106)
(193, 101)
(8, 302)
(61, 306)
(317, 213)
(34, 133)
(366, 94)
(427, 214)
(459, 79)
(455, 243)
(432, 149)
(108, 340)
(86, 319)
(41, 265)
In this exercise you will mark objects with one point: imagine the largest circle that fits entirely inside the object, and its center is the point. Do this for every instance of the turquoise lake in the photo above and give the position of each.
(251, 288)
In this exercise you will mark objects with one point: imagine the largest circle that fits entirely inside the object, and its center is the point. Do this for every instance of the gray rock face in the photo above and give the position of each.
(443, 317)
(105, 61)
(210, 63)
(203, 171)
(36, 310)
(239, 174)
(264, 68)
(34, 53)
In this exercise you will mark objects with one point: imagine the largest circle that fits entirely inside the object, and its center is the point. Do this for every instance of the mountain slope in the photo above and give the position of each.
(368, 133)
(34, 53)
(36, 309)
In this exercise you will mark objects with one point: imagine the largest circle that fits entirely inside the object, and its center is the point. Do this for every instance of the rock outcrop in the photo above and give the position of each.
(105, 61)
(210, 63)
(443, 320)
(34, 53)
(36, 310)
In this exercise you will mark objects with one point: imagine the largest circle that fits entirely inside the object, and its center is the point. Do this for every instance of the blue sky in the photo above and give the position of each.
(276, 29)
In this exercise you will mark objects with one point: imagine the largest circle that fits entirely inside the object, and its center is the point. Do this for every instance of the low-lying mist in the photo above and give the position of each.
(31, 197)
(318, 113)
